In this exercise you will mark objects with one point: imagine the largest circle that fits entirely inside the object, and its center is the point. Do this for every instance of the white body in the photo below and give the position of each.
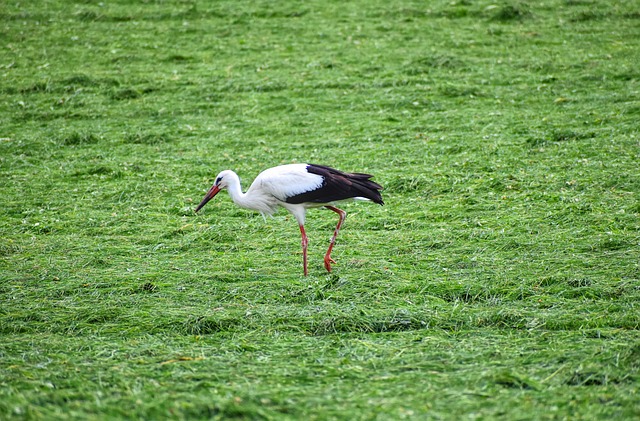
(272, 187)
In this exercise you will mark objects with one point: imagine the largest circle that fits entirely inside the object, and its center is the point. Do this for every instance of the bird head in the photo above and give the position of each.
(221, 182)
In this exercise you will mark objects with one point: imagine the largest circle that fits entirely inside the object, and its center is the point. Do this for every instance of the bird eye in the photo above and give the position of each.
(218, 180)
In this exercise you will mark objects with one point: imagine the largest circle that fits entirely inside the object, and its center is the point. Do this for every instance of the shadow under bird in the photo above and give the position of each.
(298, 187)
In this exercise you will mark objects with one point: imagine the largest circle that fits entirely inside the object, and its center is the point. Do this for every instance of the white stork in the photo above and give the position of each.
(298, 187)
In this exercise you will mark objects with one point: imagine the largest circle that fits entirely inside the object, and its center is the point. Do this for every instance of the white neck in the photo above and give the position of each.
(255, 199)
(235, 191)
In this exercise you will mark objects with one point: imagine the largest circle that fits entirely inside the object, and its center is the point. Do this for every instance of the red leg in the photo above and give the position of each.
(305, 243)
(327, 257)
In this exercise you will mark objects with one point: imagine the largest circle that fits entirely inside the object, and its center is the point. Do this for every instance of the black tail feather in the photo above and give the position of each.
(369, 189)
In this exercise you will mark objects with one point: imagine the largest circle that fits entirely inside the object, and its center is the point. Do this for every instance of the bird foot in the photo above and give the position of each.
(327, 263)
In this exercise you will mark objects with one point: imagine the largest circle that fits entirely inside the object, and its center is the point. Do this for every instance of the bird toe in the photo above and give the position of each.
(327, 263)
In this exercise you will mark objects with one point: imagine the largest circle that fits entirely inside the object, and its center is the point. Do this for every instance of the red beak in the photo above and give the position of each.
(210, 195)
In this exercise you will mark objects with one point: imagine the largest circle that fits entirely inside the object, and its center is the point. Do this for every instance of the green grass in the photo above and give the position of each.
(501, 280)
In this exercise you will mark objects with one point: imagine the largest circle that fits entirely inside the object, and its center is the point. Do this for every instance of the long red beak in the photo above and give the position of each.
(210, 195)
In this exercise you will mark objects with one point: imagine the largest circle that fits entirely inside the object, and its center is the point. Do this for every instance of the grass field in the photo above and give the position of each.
(501, 279)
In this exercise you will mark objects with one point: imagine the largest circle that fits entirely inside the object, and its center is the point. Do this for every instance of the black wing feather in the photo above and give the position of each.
(338, 185)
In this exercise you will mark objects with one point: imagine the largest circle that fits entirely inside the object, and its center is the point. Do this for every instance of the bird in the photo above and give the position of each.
(297, 188)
